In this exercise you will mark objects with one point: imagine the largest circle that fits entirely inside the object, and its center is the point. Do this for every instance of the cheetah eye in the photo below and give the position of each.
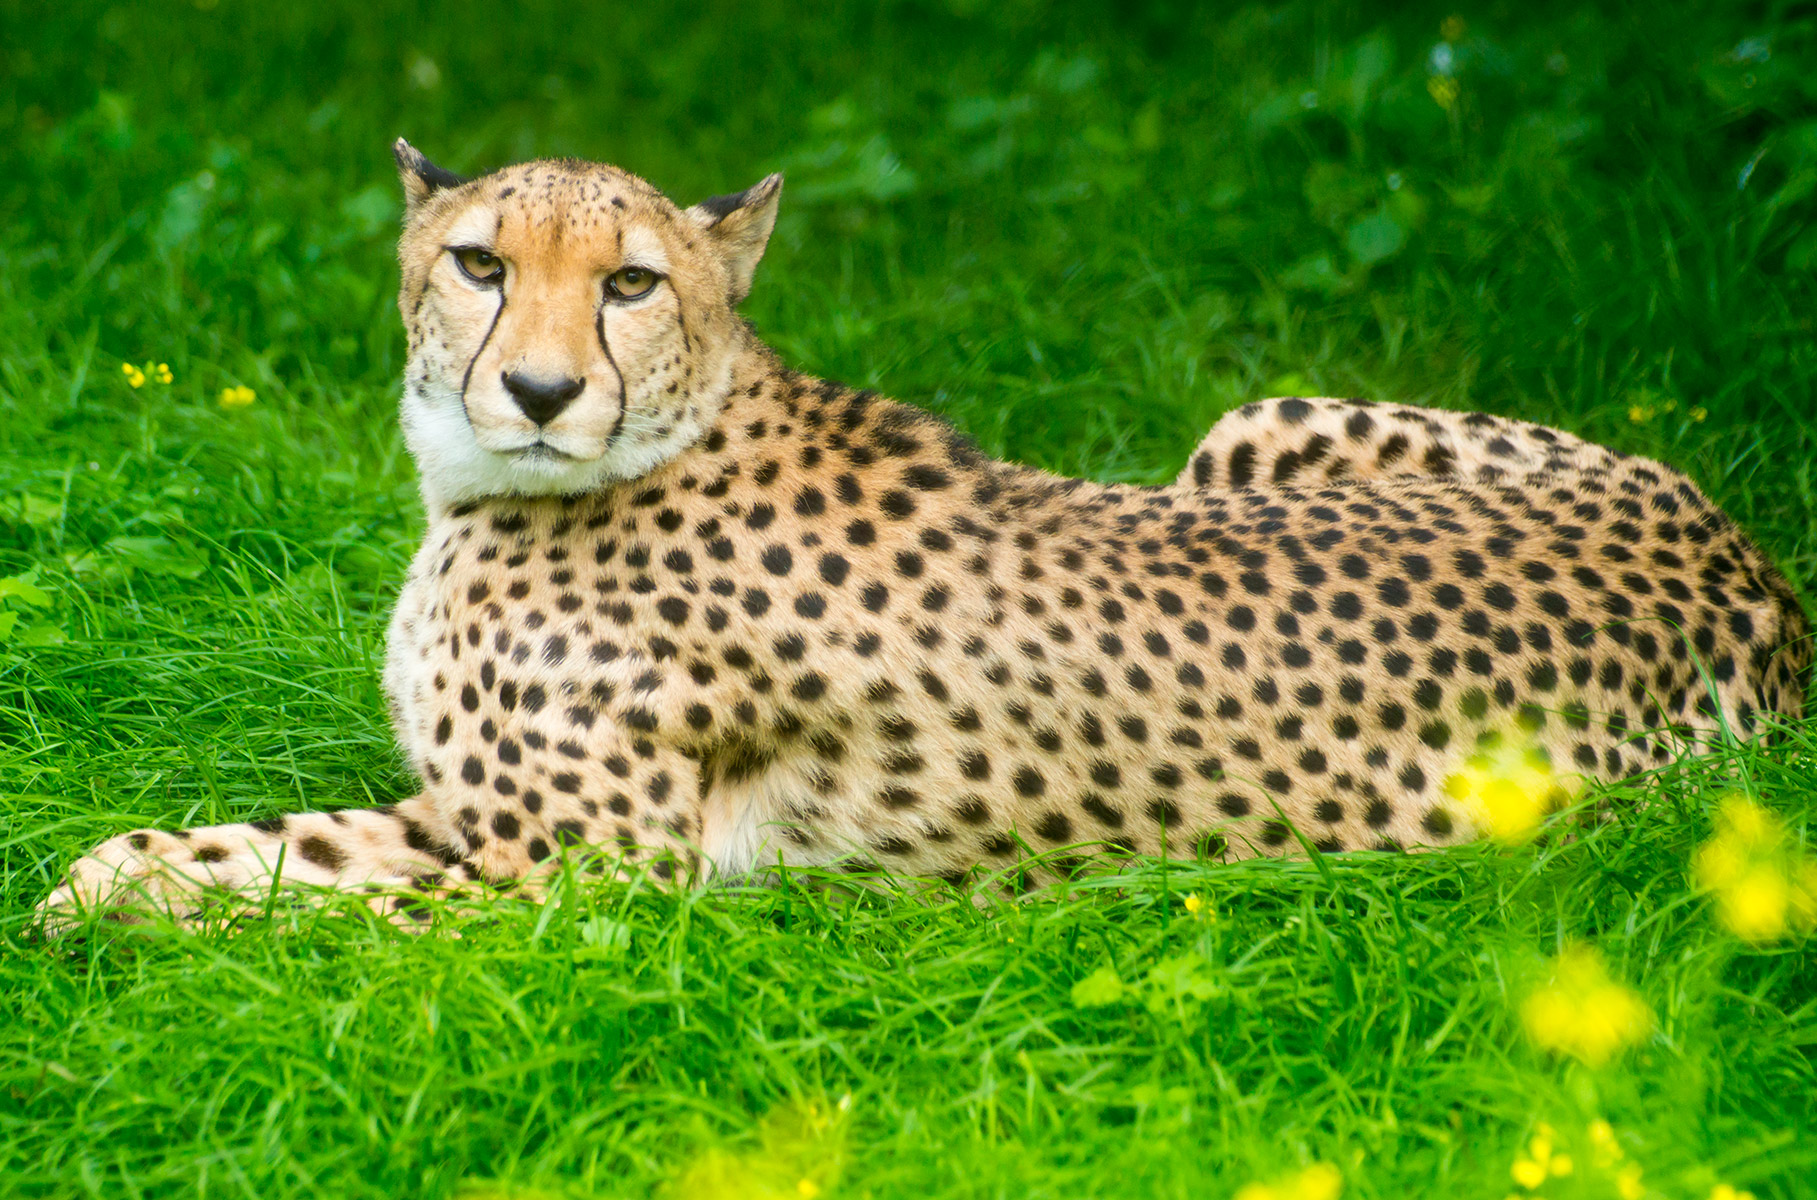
(481, 266)
(630, 283)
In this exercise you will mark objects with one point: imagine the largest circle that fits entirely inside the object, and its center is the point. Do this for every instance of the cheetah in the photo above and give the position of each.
(682, 610)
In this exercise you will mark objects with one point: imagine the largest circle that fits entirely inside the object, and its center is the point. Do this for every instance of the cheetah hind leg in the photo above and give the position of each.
(1312, 442)
(392, 855)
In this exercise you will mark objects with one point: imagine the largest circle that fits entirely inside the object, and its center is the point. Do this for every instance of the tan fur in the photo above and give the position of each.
(815, 626)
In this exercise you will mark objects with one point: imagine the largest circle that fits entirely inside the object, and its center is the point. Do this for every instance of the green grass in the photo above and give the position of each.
(1081, 235)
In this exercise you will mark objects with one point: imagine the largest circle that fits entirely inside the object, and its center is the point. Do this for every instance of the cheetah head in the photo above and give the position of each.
(569, 326)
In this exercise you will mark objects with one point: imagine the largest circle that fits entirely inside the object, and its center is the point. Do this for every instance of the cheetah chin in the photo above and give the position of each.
(683, 610)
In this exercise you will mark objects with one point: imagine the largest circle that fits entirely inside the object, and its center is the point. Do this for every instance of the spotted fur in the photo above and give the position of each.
(718, 615)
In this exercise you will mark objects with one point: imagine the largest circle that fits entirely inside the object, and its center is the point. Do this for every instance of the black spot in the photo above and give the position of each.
(926, 478)
(1242, 464)
(320, 851)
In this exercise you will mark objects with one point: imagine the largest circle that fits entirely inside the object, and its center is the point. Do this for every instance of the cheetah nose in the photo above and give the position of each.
(542, 400)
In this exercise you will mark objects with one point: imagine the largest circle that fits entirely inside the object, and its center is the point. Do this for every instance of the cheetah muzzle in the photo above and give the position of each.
(683, 607)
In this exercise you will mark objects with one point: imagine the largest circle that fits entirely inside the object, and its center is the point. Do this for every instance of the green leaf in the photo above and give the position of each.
(37, 511)
(43, 634)
(24, 590)
(1315, 273)
(149, 555)
(1374, 238)
(1177, 983)
(1100, 988)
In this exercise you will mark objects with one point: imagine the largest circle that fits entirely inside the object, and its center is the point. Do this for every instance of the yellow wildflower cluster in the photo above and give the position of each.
(1507, 787)
(1541, 1160)
(1320, 1181)
(1603, 1147)
(1608, 1168)
(1764, 884)
(136, 377)
(800, 1153)
(1608, 1155)
(1199, 908)
(237, 397)
(1443, 89)
(1582, 1012)
(1646, 411)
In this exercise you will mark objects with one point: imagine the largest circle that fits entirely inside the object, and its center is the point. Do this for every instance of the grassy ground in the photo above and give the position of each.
(1081, 235)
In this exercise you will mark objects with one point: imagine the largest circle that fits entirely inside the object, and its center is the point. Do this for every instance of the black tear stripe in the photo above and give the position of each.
(624, 395)
(467, 376)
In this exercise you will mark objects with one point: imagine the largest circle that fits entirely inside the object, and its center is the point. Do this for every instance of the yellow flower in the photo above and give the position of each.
(1723, 1191)
(799, 1154)
(1320, 1181)
(1763, 884)
(1507, 787)
(135, 378)
(1699, 414)
(1755, 906)
(1638, 413)
(1627, 1183)
(162, 373)
(1539, 1162)
(1582, 1012)
(1443, 89)
(237, 397)
(1199, 908)
(1602, 1141)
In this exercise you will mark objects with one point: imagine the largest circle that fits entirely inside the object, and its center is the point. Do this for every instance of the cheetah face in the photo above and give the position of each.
(569, 326)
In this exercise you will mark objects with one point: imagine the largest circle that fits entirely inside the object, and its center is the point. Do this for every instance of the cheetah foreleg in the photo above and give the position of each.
(387, 853)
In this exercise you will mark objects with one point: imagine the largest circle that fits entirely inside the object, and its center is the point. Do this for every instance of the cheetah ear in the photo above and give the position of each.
(422, 178)
(739, 225)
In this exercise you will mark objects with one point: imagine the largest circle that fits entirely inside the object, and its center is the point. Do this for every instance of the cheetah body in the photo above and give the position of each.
(786, 621)
(910, 654)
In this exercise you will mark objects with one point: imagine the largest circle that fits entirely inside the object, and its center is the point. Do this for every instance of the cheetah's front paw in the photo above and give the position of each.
(129, 876)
